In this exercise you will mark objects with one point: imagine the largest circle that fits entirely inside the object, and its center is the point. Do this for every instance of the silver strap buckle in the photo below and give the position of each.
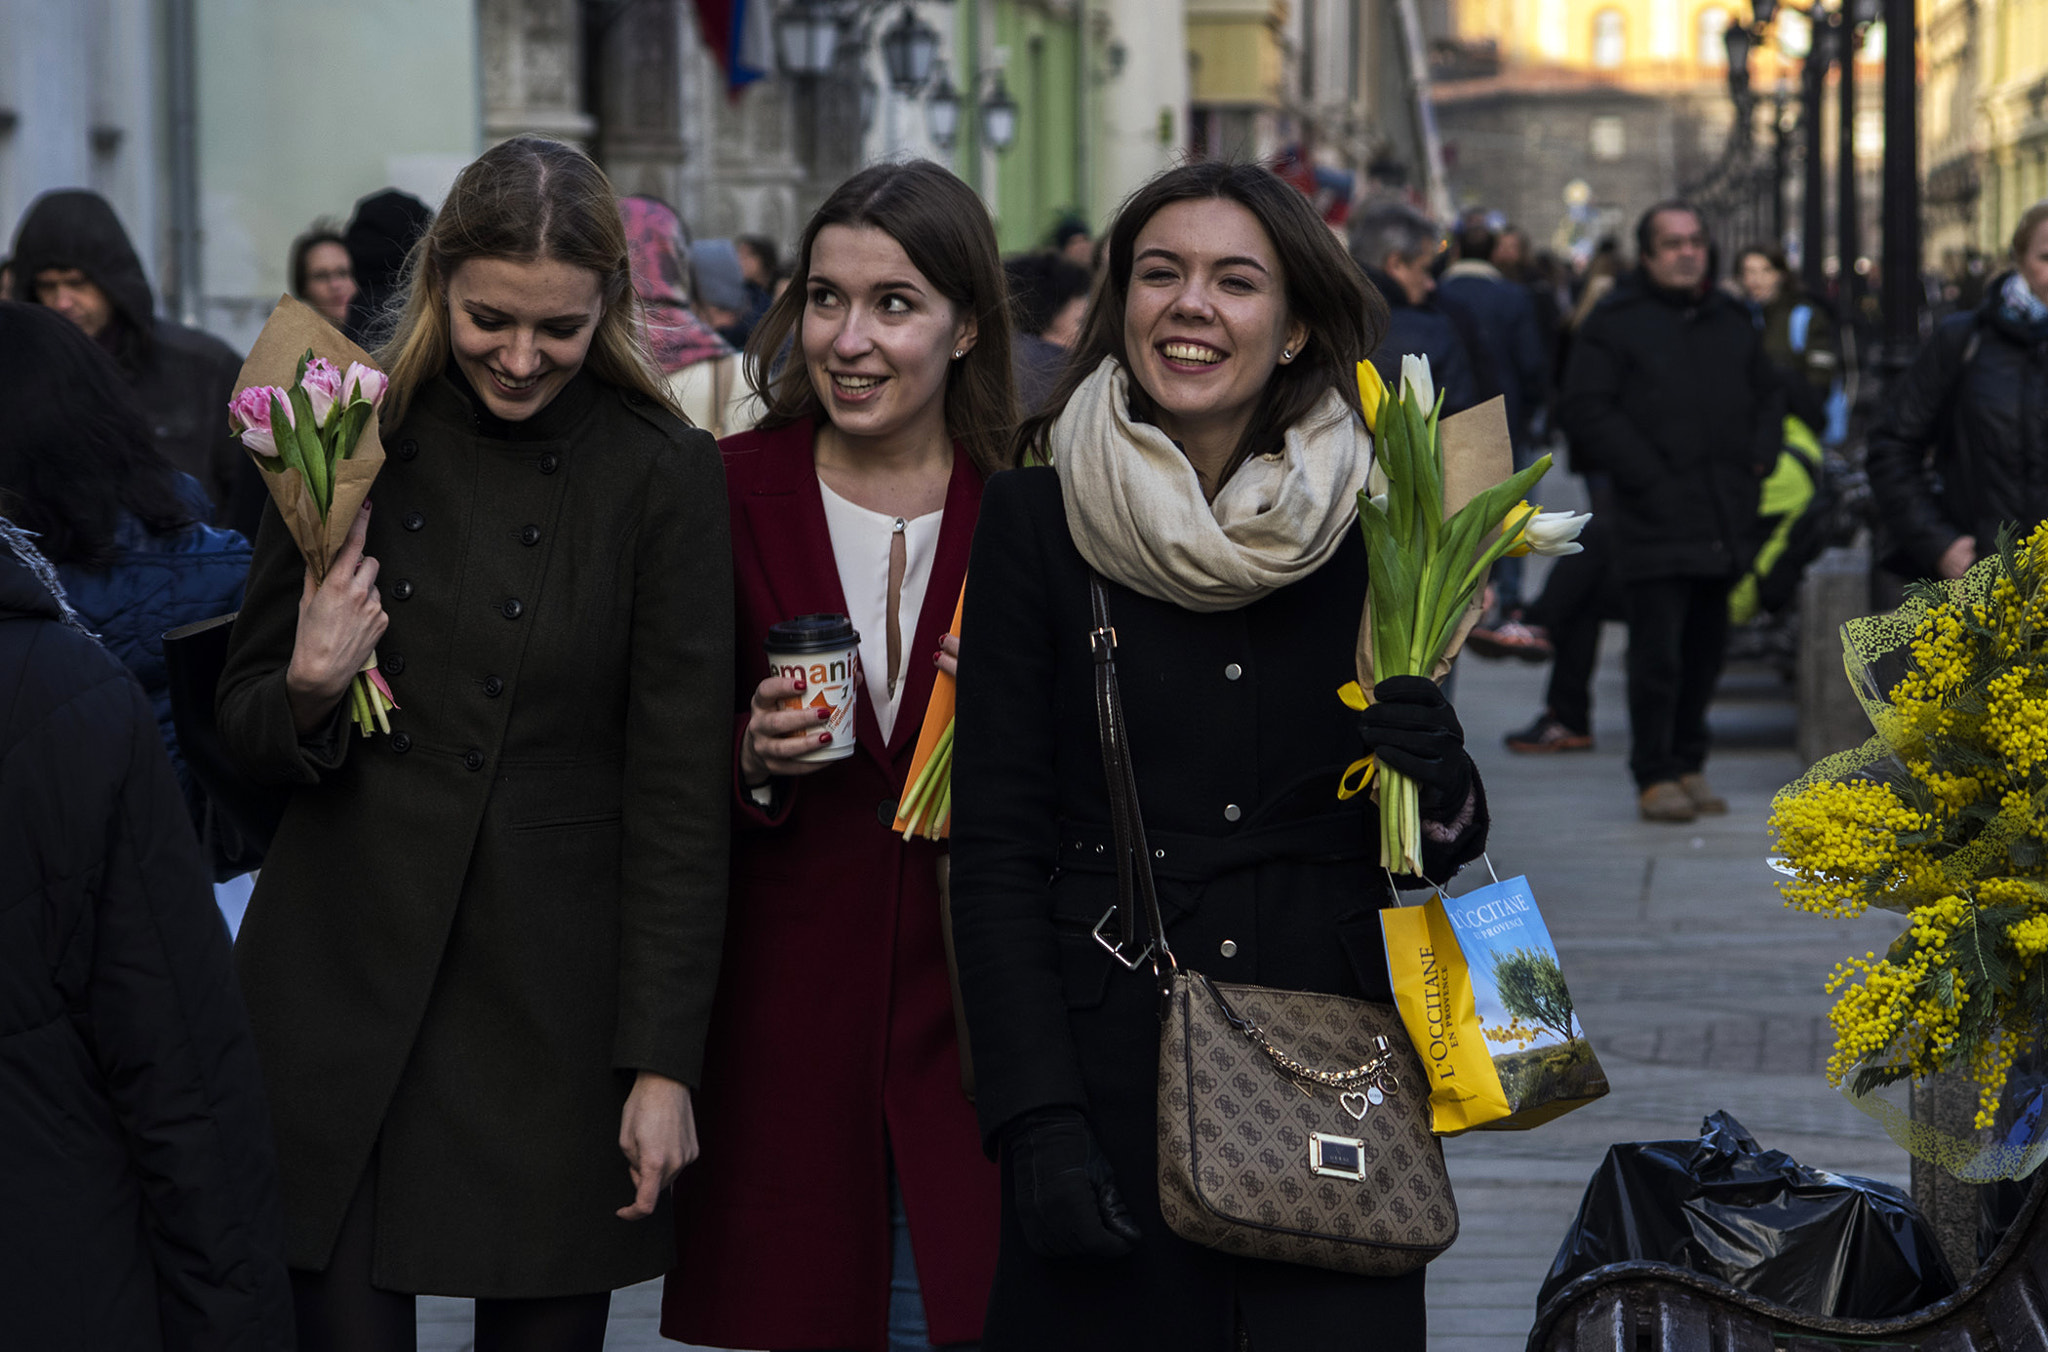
(1115, 947)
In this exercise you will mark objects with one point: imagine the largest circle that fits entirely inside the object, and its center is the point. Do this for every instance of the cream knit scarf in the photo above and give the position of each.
(1138, 516)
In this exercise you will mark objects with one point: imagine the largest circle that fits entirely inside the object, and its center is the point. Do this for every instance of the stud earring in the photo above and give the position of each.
(958, 353)
(1286, 354)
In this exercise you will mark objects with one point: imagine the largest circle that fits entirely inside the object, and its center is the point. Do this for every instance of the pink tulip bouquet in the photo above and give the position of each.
(315, 439)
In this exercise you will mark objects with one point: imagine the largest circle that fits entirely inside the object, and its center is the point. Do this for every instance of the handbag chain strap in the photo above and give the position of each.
(1378, 1071)
(1142, 931)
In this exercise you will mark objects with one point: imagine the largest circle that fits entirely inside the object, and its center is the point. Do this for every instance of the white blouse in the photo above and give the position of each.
(860, 546)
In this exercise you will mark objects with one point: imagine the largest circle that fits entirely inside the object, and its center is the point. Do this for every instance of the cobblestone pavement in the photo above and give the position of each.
(1698, 989)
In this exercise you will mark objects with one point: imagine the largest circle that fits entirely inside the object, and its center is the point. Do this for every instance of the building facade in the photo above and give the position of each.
(1983, 126)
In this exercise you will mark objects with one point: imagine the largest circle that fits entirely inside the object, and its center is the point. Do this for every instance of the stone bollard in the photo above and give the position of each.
(1836, 589)
(1948, 1103)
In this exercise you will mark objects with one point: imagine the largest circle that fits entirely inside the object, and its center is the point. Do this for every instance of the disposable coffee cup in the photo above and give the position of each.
(823, 652)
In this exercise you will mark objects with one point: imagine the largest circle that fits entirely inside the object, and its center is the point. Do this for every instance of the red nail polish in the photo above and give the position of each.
(824, 739)
(937, 655)
(824, 715)
(800, 684)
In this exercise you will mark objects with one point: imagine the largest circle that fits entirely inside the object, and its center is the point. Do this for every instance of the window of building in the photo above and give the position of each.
(1610, 39)
(1710, 43)
(1610, 141)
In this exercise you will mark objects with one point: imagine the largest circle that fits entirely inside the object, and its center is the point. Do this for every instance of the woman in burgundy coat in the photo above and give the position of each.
(831, 1108)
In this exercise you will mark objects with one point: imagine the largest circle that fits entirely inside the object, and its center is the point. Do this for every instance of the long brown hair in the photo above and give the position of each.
(526, 199)
(1344, 312)
(945, 230)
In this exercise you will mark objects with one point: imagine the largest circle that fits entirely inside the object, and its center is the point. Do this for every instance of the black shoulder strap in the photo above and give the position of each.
(1142, 930)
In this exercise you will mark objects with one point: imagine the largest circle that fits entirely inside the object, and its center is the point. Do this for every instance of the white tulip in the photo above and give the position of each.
(1555, 534)
(1417, 383)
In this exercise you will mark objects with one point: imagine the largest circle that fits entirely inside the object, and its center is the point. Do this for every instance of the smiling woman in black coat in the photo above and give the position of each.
(1207, 454)
(138, 1192)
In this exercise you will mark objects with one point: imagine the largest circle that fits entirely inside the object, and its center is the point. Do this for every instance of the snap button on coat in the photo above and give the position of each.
(402, 589)
(1232, 672)
(512, 609)
(408, 449)
(413, 521)
(474, 760)
(401, 742)
(530, 536)
(1231, 812)
(1228, 948)
(393, 665)
(550, 462)
(493, 687)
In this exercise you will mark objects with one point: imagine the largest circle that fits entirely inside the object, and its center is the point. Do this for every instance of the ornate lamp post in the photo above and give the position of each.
(999, 117)
(942, 111)
(909, 47)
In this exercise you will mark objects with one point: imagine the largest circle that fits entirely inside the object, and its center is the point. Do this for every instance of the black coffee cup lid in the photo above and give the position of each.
(811, 634)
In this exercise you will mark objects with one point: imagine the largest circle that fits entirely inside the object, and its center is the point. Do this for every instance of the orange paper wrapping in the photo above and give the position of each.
(937, 715)
(1477, 455)
(292, 328)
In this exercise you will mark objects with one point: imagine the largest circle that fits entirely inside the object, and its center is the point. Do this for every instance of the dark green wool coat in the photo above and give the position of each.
(470, 934)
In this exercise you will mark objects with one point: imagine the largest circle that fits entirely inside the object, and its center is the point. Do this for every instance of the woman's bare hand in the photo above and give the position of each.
(1958, 557)
(340, 621)
(658, 1134)
(948, 656)
(777, 736)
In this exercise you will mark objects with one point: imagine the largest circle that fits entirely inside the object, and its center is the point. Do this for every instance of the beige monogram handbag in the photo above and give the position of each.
(1293, 1126)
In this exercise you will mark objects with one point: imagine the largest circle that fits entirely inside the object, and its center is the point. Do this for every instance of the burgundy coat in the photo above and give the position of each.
(832, 1046)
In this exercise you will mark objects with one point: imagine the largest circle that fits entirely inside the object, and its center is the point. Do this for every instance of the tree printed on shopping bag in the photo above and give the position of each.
(1531, 987)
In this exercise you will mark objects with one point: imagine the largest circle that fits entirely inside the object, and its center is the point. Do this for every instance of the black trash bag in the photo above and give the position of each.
(1821, 1243)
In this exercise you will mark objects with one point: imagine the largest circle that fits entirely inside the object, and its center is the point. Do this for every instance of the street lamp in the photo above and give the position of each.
(909, 48)
(807, 38)
(942, 111)
(999, 117)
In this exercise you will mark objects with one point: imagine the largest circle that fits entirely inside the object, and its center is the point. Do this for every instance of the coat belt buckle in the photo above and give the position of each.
(1115, 947)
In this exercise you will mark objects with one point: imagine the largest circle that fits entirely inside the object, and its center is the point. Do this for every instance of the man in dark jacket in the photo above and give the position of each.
(1396, 245)
(138, 1193)
(1670, 394)
(379, 238)
(1974, 408)
(72, 255)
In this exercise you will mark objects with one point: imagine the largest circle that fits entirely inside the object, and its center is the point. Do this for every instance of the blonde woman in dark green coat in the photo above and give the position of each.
(481, 955)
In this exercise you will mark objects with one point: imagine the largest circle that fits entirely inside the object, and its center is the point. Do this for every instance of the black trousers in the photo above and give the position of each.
(1677, 640)
(340, 1311)
(1578, 597)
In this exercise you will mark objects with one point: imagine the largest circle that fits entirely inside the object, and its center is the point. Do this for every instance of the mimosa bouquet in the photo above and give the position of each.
(305, 407)
(1435, 520)
(1941, 817)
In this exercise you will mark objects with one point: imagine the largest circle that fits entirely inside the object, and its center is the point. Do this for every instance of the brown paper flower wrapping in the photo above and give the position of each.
(293, 327)
(1477, 455)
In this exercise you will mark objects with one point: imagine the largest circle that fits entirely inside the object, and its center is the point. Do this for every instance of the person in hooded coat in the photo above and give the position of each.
(138, 1190)
(72, 255)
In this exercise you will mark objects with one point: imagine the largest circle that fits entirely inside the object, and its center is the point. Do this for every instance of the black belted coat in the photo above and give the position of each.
(1238, 739)
(470, 934)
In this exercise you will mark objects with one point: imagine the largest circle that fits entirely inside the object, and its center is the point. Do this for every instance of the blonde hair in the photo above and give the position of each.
(526, 199)
(2032, 219)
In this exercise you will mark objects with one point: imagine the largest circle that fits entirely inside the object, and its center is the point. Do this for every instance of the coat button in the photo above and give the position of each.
(408, 449)
(474, 760)
(1231, 812)
(511, 609)
(1228, 948)
(493, 687)
(1232, 672)
(393, 665)
(401, 742)
(530, 536)
(402, 589)
(413, 521)
(550, 462)
(885, 812)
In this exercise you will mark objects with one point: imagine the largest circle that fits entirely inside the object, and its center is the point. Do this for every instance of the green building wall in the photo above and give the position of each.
(1040, 178)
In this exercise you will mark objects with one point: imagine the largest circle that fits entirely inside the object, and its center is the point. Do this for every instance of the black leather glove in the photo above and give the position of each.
(1414, 731)
(1067, 1200)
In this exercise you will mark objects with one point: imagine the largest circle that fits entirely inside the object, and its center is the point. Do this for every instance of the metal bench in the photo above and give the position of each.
(1654, 1307)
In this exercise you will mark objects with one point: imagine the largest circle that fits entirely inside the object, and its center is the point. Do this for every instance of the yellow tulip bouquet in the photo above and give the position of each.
(1427, 567)
(1941, 817)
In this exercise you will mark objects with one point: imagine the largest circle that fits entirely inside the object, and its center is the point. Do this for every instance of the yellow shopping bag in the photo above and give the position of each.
(1480, 990)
